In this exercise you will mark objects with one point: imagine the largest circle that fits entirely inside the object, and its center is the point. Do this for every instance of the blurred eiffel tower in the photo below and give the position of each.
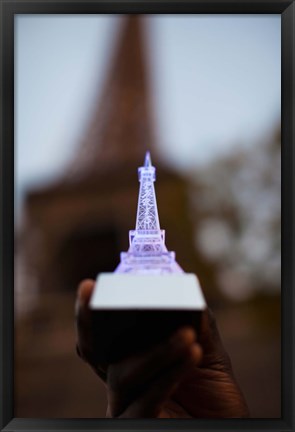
(76, 227)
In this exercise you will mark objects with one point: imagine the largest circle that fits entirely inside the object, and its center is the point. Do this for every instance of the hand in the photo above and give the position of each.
(180, 378)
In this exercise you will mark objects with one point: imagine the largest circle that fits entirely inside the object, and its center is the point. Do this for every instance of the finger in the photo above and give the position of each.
(142, 367)
(83, 319)
(85, 343)
(156, 393)
(128, 378)
(83, 314)
(215, 355)
(84, 293)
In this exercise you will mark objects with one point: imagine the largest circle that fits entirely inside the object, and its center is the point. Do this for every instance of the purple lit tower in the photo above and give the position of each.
(148, 277)
(147, 252)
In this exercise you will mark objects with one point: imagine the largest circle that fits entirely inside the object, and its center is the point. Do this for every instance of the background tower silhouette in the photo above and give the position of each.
(121, 127)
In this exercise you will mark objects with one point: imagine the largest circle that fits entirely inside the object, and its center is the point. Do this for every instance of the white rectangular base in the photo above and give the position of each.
(127, 291)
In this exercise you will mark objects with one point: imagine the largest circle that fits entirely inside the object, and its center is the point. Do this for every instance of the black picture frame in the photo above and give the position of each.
(8, 9)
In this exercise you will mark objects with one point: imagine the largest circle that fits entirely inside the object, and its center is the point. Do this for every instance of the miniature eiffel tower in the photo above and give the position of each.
(148, 277)
(147, 252)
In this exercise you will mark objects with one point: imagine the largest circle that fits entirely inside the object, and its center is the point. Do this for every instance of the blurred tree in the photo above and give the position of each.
(236, 210)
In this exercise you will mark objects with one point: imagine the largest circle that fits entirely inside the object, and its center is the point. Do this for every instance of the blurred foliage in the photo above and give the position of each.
(236, 211)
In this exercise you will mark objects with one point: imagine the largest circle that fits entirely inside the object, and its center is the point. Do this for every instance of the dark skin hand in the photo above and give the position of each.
(186, 376)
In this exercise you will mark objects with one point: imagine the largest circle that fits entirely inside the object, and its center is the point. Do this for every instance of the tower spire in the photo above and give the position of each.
(147, 250)
(121, 127)
(147, 211)
(147, 160)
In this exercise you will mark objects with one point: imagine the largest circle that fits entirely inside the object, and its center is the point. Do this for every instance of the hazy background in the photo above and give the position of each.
(216, 92)
(203, 68)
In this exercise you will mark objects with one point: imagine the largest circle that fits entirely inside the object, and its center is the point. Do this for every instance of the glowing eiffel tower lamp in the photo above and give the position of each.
(148, 276)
